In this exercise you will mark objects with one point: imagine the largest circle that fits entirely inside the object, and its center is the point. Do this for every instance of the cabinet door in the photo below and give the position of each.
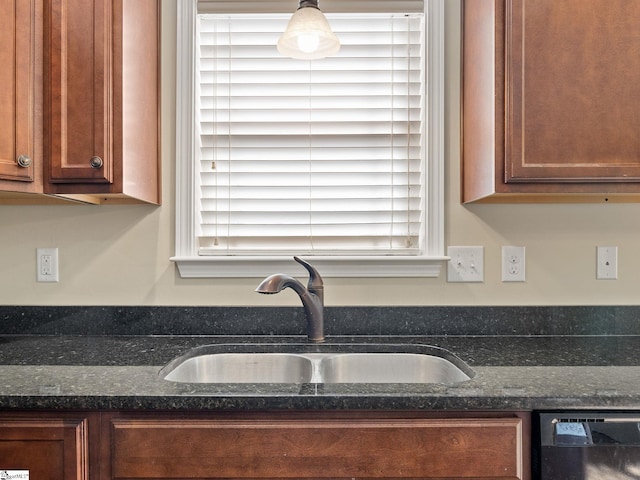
(573, 96)
(550, 101)
(78, 90)
(50, 449)
(317, 448)
(20, 101)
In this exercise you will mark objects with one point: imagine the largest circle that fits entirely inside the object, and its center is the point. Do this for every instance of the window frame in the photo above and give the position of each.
(192, 265)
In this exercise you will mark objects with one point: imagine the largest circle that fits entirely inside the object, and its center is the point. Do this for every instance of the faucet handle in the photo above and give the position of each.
(315, 280)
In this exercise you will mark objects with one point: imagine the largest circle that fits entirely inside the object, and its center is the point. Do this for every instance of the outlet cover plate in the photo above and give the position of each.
(47, 265)
(513, 264)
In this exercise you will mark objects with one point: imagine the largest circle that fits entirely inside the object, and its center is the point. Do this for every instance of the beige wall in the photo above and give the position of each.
(119, 255)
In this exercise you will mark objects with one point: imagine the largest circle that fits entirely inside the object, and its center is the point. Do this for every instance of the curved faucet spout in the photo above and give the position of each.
(279, 281)
(312, 297)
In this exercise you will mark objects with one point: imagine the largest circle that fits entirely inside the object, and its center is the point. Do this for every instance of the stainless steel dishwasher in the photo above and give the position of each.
(588, 446)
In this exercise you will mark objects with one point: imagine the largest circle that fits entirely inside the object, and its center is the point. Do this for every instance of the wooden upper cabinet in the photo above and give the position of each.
(20, 96)
(551, 100)
(79, 90)
(102, 99)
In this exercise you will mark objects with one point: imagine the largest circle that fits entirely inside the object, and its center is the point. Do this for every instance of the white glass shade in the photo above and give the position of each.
(308, 36)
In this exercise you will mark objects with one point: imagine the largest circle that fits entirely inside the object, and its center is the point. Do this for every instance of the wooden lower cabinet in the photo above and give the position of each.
(48, 446)
(270, 445)
(316, 445)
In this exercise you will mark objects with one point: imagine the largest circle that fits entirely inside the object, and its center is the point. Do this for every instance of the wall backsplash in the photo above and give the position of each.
(370, 321)
(120, 254)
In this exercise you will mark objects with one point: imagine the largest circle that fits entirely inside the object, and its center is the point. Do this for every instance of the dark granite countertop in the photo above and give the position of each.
(512, 372)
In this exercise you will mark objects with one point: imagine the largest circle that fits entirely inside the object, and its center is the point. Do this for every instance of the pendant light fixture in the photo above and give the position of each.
(308, 35)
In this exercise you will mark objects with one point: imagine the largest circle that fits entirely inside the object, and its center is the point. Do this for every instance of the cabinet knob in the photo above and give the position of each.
(96, 162)
(24, 161)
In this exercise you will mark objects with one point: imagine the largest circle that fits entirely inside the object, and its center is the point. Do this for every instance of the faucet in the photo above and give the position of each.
(312, 297)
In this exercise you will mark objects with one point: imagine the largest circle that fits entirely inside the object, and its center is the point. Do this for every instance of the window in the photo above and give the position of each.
(327, 159)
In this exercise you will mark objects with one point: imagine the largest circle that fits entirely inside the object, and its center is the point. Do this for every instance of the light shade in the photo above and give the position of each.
(308, 35)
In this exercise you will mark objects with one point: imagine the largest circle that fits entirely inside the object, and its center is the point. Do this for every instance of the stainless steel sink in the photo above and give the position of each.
(327, 363)
(389, 368)
(243, 368)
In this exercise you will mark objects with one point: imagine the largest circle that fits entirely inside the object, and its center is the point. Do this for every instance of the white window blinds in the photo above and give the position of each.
(311, 157)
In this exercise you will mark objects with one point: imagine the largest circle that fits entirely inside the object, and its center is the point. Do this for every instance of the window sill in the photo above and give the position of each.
(349, 267)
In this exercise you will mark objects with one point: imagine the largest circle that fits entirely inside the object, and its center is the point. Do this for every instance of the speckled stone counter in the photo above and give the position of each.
(517, 372)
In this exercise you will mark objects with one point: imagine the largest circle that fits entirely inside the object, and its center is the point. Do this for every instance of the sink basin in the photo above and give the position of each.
(243, 368)
(389, 368)
(326, 363)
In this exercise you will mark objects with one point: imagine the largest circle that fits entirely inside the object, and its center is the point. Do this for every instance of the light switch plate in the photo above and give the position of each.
(466, 264)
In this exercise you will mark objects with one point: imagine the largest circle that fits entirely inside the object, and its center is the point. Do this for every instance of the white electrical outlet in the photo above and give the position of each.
(466, 264)
(47, 265)
(606, 263)
(513, 264)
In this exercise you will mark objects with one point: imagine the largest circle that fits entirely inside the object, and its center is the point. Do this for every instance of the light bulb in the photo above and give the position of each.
(308, 42)
(308, 35)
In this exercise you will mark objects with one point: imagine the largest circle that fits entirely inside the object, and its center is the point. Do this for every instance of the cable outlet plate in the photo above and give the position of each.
(466, 264)
(513, 264)
(47, 265)
(607, 263)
